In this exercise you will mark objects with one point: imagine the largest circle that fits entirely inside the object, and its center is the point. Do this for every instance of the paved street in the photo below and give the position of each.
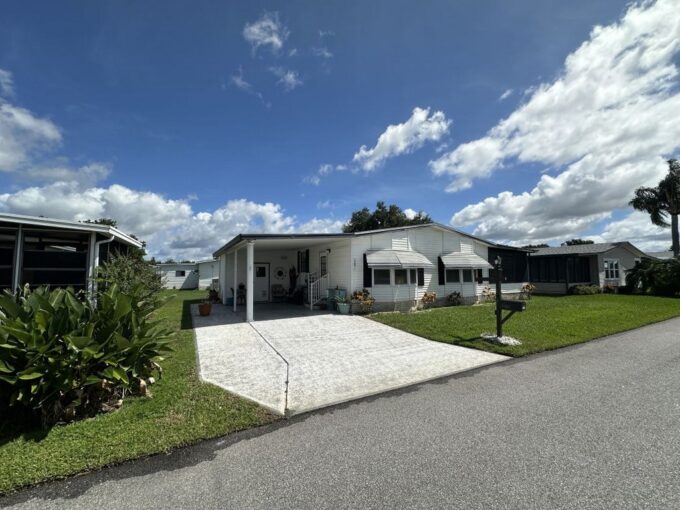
(594, 426)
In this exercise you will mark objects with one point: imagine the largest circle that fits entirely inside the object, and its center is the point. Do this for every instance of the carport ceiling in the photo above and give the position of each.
(294, 243)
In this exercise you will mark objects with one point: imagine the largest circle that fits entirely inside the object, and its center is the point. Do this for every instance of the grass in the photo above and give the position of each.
(548, 323)
(182, 411)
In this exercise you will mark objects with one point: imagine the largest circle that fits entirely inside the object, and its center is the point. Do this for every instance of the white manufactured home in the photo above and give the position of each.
(180, 276)
(397, 265)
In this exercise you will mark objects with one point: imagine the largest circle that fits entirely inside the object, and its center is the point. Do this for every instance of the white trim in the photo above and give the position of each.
(18, 258)
(250, 280)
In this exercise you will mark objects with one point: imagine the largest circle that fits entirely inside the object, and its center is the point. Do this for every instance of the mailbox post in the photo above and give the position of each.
(503, 304)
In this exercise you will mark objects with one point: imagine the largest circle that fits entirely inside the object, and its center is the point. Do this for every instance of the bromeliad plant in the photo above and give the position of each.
(63, 358)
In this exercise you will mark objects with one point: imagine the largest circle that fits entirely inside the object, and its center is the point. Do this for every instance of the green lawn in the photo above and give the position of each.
(181, 411)
(548, 323)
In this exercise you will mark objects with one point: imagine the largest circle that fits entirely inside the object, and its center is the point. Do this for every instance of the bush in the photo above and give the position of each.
(429, 299)
(132, 275)
(362, 301)
(454, 299)
(488, 295)
(658, 277)
(62, 358)
(584, 290)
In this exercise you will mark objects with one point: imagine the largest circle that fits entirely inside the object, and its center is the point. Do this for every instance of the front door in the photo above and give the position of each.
(261, 285)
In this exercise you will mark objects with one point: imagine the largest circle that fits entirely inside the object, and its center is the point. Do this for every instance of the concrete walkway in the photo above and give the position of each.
(327, 359)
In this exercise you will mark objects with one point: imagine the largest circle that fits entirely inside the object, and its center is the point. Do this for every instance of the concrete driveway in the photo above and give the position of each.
(297, 364)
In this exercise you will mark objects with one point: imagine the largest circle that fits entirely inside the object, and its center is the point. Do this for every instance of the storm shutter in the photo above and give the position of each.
(421, 277)
(368, 274)
(307, 261)
(441, 270)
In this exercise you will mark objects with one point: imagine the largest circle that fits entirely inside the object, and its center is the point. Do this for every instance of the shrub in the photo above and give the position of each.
(132, 275)
(488, 295)
(659, 277)
(610, 289)
(584, 290)
(527, 290)
(62, 358)
(454, 299)
(428, 299)
(362, 301)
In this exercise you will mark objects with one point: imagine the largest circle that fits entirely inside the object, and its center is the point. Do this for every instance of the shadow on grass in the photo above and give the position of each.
(186, 312)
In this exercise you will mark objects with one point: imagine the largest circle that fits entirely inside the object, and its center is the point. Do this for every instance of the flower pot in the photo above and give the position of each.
(343, 308)
(204, 309)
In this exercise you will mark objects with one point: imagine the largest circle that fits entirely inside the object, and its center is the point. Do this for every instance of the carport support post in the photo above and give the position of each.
(235, 291)
(250, 280)
(499, 309)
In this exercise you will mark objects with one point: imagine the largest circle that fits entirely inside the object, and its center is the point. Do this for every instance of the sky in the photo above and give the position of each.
(190, 122)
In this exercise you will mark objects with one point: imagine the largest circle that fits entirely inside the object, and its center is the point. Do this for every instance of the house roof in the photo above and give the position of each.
(397, 258)
(320, 236)
(465, 261)
(586, 249)
(37, 221)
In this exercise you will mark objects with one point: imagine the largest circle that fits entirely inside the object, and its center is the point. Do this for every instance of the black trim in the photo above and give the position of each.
(368, 274)
(441, 270)
(421, 277)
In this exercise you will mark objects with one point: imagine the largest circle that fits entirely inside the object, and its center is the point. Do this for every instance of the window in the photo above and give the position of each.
(381, 276)
(479, 276)
(452, 276)
(611, 269)
(303, 261)
(467, 275)
(323, 265)
(412, 277)
(421, 277)
(260, 272)
(400, 277)
(180, 274)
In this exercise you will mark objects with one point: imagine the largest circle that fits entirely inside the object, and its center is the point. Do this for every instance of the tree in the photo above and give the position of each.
(531, 246)
(383, 217)
(575, 242)
(663, 201)
(103, 221)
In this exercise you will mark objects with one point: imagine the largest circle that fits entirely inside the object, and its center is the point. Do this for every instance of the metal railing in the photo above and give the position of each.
(317, 289)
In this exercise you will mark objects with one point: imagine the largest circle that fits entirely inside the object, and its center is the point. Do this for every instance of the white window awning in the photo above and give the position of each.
(397, 258)
(458, 260)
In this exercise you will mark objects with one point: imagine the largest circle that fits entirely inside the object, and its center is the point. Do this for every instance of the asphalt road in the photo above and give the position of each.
(594, 426)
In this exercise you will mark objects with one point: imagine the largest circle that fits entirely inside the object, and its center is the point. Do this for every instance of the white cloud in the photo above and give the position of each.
(238, 80)
(403, 138)
(322, 52)
(505, 95)
(324, 170)
(638, 229)
(266, 31)
(410, 213)
(86, 175)
(288, 78)
(602, 128)
(23, 136)
(171, 227)
(6, 83)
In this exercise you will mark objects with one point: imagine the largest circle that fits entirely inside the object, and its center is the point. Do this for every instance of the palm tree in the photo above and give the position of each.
(662, 202)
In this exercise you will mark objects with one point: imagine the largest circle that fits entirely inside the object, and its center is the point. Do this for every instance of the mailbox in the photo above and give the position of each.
(512, 305)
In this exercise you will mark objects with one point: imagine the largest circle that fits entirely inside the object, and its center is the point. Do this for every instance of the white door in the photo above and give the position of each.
(261, 285)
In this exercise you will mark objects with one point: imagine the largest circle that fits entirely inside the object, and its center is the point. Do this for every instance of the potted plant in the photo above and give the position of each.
(213, 296)
(204, 308)
(342, 304)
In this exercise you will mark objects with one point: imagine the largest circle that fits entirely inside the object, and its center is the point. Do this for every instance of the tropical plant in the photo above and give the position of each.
(527, 290)
(429, 299)
(132, 275)
(362, 301)
(663, 202)
(63, 357)
(659, 277)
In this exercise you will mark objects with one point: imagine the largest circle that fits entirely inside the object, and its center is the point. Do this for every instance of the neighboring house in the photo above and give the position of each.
(661, 255)
(554, 270)
(58, 253)
(208, 273)
(182, 276)
(397, 265)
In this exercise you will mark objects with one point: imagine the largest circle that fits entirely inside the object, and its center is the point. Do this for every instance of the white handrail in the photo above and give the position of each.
(317, 289)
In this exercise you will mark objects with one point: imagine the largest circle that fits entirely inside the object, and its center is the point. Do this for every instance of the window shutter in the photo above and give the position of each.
(442, 271)
(298, 263)
(421, 277)
(306, 261)
(368, 275)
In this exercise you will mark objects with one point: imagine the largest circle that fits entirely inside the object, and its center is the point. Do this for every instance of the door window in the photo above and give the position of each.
(261, 271)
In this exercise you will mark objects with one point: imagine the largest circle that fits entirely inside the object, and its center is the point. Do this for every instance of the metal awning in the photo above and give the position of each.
(397, 258)
(465, 261)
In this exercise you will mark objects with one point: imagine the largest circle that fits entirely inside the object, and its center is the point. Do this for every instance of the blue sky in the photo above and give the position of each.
(189, 122)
